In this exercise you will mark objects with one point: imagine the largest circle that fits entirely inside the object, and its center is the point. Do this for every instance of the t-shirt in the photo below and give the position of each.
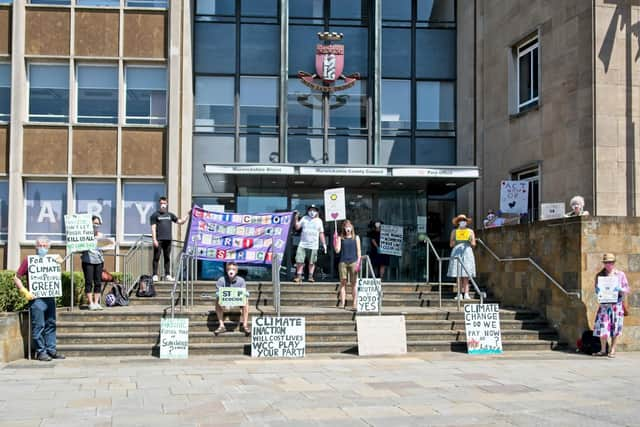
(311, 229)
(163, 221)
(23, 270)
(223, 282)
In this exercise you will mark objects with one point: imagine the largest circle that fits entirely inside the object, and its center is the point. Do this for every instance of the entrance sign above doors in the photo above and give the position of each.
(436, 172)
(250, 170)
(337, 171)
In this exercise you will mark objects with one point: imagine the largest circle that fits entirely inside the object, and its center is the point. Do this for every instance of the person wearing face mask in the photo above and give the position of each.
(610, 317)
(161, 222)
(312, 234)
(42, 310)
(378, 260)
(231, 279)
(577, 207)
(462, 242)
(347, 244)
(92, 263)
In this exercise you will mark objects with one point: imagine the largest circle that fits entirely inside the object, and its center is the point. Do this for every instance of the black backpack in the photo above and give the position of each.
(117, 296)
(145, 287)
(588, 343)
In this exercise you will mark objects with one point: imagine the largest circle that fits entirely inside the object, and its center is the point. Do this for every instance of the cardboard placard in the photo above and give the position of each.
(391, 237)
(44, 276)
(379, 335)
(334, 204)
(278, 337)
(551, 210)
(369, 295)
(514, 197)
(463, 234)
(608, 289)
(80, 235)
(232, 297)
(174, 338)
(482, 326)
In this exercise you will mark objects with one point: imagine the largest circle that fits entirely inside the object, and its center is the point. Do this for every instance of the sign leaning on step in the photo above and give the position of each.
(369, 295)
(232, 297)
(174, 338)
(482, 325)
(278, 337)
(44, 276)
(391, 237)
(80, 235)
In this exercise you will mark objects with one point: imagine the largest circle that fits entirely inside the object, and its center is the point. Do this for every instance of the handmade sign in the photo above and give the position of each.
(551, 210)
(232, 297)
(421, 224)
(243, 238)
(277, 337)
(514, 197)
(379, 335)
(391, 240)
(174, 338)
(80, 235)
(482, 325)
(369, 295)
(463, 234)
(608, 288)
(334, 204)
(44, 276)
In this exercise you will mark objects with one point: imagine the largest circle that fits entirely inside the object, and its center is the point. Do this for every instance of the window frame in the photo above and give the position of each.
(166, 96)
(532, 175)
(28, 87)
(121, 214)
(77, 94)
(522, 49)
(111, 182)
(8, 116)
(25, 182)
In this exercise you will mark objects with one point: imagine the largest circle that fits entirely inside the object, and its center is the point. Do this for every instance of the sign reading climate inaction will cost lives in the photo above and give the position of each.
(44, 276)
(277, 337)
(482, 325)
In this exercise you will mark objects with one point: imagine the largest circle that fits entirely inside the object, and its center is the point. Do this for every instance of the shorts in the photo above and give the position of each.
(347, 270)
(302, 253)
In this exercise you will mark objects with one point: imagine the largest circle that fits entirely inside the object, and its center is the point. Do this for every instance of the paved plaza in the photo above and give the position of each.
(521, 388)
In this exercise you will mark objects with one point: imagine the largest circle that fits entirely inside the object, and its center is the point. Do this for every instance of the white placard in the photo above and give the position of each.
(391, 240)
(551, 210)
(369, 295)
(421, 224)
(278, 337)
(232, 297)
(379, 335)
(44, 276)
(482, 326)
(174, 338)
(334, 204)
(80, 235)
(514, 197)
(608, 289)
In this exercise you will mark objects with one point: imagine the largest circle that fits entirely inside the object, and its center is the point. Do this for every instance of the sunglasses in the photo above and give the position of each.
(609, 262)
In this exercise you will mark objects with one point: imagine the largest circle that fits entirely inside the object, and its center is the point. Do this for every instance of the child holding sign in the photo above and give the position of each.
(462, 242)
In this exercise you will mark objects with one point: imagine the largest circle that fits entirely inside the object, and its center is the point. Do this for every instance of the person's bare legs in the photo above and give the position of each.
(354, 290)
(220, 315)
(343, 292)
(612, 350)
(245, 317)
(464, 285)
(90, 299)
(382, 270)
(299, 270)
(312, 268)
(96, 298)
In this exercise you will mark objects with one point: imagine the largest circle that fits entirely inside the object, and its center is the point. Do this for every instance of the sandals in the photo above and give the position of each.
(312, 280)
(220, 330)
(245, 329)
(297, 280)
(599, 354)
(612, 354)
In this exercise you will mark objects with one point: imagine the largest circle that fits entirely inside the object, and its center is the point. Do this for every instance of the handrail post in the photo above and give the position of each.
(458, 297)
(440, 282)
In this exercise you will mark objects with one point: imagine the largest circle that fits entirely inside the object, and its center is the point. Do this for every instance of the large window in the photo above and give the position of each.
(4, 209)
(140, 201)
(49, 92)
(97, 94)
(5, 92)
(148, 3)
(98, 198)
(214, 103)
(112, 3)
(147, 95)
(527, 73)
(53, 2)
(45, 207)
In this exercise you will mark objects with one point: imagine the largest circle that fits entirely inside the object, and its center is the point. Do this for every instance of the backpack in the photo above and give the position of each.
(117, 296)
(145, 287)
(588, 343)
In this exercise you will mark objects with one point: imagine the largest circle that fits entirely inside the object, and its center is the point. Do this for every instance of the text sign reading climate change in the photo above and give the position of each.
(482, 326)
(243, 238)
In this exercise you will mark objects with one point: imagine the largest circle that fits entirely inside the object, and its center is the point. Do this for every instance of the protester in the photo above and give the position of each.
(492, 220)
(312, 234)
(577, 207)
(610, 317)
(348, 246)
(92, 265)
(231, 279)
(42, 310)
(161, 234)
(379, 260)
(462, 242)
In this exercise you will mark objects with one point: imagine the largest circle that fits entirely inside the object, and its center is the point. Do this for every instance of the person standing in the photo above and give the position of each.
(312, 234)
(577, 207)
(161, 234)
(348, 246)
(92, 264)
(379, 260)
(462, 241)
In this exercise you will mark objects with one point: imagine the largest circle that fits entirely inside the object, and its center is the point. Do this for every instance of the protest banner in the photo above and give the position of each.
(243, 238)
(608, 289)
(482, 326)
(369, 295)
(514, 197)
(551, 210)
(463, 234)
(378, 335)
(278, 337)
(334, 205)
(174, 338)
(391, 237)
(232, 297)
(80, 235)
(44, 276)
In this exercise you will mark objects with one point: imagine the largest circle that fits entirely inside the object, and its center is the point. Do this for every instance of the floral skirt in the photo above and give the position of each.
(609, 320)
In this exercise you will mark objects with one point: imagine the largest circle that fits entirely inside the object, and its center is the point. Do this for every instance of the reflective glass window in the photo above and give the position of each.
(139, 202)
(54, 2)
(210, 149)
(306, 8)
(349, 107)
(435, 105)
(528, 77)
(214, 102)
(395, 151)
(258, 101)
(259, 7)
(259, 149)
(148, 3)
(349, 9)
(45, 207)
(396, 52)
(97, 94)
(304, 149)
(146, 95)
(397, 10)
(114, 3)
(4, 209)
(345, 150)
(302, 48)
(435, 151)
(98, 199)
(396, 104)
(215, 7)
(49, 92)
(5, 91)
(259, 49)
(215, 47)
(304, 106)
(356, 49)
(435, 54)
(437, 10)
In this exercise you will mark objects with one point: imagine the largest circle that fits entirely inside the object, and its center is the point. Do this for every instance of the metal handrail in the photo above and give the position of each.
(275, 281)
(440, 259)
(535, 264)
(461, 266)
(370, 274)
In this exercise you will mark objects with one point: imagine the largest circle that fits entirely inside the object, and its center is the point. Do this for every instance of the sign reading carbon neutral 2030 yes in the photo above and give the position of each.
(44, 276)
(278, 337)
(369, 295)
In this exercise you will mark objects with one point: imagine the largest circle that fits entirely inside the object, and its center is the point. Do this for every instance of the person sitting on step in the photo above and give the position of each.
(231, 279)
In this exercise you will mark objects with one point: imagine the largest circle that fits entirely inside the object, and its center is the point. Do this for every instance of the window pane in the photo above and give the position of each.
(210, 149)
(534, 66)
(98, 199)
(356, 49)
(147, 3)
(396, 10)
(306, 8)
(259, 149)
(396, 52)
(260, 49)
(436, 54)
(349, 9)
(215, 48)
(139, 202)
(97, 94)
(302, 48)
(304, 149)
(56, 2)
(395, 151)
(304, 106)
(46, 205)
(115, 3)
(525, 78)
(259, 7)
(437, 10)
(396, 104)
(214, 102)
(4, 209)
(49, 93)
(435, 151)
(349, 107)
(435, 105)
(258, 101)
(347, 150)
(216, 7)
(5, 92)
(146, 95)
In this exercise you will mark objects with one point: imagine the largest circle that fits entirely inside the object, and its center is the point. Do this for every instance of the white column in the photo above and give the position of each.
(185, 99)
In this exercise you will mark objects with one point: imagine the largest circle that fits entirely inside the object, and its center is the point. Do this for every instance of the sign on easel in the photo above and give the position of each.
(44, 276)
(334, 204)
(80, 235)
(232, 297)
(514, 197)
(278, 337)
(391, 237)
(379, 335)
(174, 338)
(482, 326)
(369, 295)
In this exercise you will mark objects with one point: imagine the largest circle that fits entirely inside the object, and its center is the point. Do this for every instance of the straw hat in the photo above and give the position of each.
(461, 217)
(608, 257)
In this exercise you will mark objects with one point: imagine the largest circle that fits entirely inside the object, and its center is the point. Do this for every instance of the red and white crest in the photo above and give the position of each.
(329, 61)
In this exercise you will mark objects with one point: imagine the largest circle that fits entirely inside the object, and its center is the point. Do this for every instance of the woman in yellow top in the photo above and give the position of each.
(462, 242)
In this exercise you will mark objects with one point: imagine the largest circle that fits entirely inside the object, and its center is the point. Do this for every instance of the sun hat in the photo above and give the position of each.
(608, 257)
(461, 217)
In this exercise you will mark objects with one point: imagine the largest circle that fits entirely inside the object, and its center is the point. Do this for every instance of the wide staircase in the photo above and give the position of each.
(135, 330)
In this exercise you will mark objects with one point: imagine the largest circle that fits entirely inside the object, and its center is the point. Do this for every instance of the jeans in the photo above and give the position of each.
(43, 324)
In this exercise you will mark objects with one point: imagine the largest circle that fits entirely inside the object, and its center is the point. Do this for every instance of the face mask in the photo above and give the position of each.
(96, 226)
(312, 214)
(231, 273)
(491, 217)
(462, 224)
(163, 207)
(377, 224)
(347, 230)
(42, 251)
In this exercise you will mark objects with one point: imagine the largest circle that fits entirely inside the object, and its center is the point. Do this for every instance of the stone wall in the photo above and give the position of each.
(12, 346)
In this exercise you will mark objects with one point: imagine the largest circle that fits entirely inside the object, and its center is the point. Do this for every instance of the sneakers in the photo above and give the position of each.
(57, 355)
(466, 296)
(93, 307)
(98, 306)
(169, 278)
(458, 297)
(155, 278)
(43, 357)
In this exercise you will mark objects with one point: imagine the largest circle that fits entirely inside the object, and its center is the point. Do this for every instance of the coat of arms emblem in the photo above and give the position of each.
(329, 66)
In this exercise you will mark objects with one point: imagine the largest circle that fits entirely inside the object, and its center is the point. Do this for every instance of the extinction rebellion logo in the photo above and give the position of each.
(329, 66)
